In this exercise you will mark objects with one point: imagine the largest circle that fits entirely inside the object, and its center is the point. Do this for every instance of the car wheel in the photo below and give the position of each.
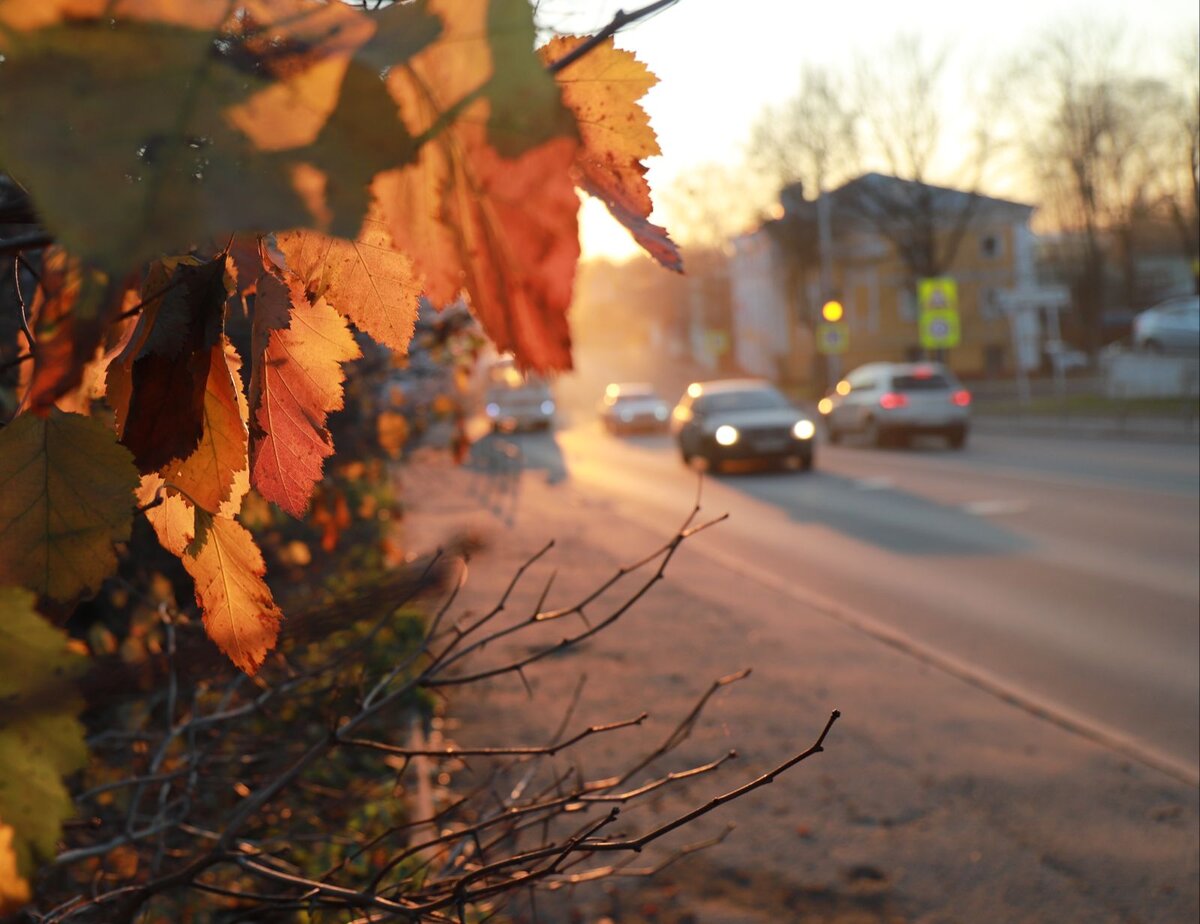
(685, 455)
(835, 435)
(957, 437)
(873, 432)
(804, 463)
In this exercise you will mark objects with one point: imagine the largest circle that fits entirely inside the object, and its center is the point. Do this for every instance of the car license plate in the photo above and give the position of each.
(770, 444)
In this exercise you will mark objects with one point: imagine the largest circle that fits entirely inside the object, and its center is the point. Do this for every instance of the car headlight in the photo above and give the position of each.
(493, 410)
(824, 406)
(547, 407)
(726, 435)
(660, 413)
(803, 430)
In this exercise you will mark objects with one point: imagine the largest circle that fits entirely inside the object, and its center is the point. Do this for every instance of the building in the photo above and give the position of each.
(884, 234)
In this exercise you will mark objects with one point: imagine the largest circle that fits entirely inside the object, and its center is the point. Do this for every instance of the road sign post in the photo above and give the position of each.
(938, 323)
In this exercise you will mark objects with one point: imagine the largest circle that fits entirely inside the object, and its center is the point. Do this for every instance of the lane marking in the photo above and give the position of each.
(995, 508)
(880, 483)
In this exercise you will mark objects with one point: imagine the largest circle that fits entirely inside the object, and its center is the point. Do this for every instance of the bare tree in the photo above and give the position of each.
(1181, 185)
(223, 798)
(902, 97)
(1110, 150)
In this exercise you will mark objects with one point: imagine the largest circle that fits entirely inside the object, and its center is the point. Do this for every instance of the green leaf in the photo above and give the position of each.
(41, 741)
(66, 495)
(176, 132)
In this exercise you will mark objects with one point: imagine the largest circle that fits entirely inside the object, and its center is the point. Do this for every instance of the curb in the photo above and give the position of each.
(1131, 429)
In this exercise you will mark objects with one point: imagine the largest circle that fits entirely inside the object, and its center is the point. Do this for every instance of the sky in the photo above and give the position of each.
(720, 62)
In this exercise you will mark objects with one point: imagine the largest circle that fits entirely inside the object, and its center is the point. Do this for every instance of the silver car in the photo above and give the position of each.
(514, 400)
(629, 406)
(1172, 326)
(890, 402)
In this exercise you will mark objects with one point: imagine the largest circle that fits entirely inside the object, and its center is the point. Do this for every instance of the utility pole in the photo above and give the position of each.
(825, 251)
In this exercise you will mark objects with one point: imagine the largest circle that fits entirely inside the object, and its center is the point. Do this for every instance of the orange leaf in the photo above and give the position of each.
(239, 613)
(296, 383)
(367, 280)
(603, 88)
(503, 229)
(216, 475)
(69, 312)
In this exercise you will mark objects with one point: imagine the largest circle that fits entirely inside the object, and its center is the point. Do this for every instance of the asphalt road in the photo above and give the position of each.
(1060, 575)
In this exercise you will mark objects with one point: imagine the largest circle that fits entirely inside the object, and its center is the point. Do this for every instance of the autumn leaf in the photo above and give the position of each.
(40, 740)
(194, 122)
(169, 360)
(239, 612)
(296, 382)
(505, 229)
(367, 280)
(216, 475)
(70, 310)
(602, 88)
(66, 495)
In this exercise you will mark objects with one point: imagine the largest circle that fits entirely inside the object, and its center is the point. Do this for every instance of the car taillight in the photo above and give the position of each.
(889, 400)
(962, 397)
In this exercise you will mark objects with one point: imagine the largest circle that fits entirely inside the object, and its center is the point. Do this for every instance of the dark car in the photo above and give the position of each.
(732, 420)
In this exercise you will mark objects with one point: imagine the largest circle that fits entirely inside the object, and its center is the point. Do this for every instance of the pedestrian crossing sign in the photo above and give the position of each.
(938, 324)
(832, 338)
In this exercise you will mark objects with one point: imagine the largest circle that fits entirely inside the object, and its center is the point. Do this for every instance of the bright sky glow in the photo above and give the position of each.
(720, 62)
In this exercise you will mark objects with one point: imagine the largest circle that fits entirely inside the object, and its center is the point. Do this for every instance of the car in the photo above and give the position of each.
(890, 402)
(728, 420)
(1171, 326)
(514, 400)
(633, 406)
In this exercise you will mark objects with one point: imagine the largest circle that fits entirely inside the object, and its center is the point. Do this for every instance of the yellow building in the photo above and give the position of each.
(883, 235)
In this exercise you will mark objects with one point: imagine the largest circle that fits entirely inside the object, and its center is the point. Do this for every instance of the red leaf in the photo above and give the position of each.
(296, 382)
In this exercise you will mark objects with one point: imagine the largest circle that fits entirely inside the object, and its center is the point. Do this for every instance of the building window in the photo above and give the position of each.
(990, 247)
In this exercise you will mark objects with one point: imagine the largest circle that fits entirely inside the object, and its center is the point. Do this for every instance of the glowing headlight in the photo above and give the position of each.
(726, 435)
(493, 410)
(803, 430)
(824, 406)
(547, 407)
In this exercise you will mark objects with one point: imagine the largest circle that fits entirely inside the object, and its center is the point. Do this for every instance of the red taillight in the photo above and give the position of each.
(962, 397)
(889, 400)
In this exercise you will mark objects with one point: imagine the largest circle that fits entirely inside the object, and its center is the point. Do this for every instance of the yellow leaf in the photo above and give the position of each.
(392, 432)
(240, 614)
(217, 475)
(66, 495)
(367, 280)
(603, 88)
(40, 739)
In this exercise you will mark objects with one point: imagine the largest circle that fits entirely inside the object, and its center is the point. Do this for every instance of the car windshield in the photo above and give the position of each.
(758, 399)
(631, 397)
(928, 382)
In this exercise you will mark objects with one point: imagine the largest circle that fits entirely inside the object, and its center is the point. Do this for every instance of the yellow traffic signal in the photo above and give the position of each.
(831, 311)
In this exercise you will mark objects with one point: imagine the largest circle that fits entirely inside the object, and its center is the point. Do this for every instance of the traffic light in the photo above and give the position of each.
(831, 311)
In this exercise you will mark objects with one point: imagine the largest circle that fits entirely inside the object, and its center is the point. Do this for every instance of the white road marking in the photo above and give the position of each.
(995, 508)
(874, 484)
